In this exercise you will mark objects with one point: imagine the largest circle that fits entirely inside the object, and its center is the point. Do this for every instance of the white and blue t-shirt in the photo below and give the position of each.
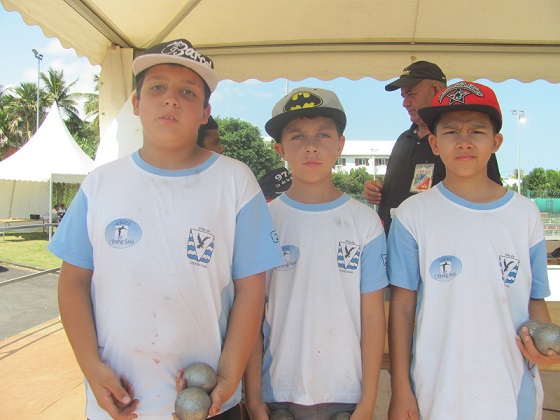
(165, 247)
(474, 267)
(334, 252)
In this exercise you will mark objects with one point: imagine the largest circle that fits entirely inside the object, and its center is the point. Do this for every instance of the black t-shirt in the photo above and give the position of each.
(409, 151)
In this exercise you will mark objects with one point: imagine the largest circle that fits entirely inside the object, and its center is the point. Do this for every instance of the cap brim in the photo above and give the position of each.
(403, 81)
(146, 61)
(275, 125)
(431, 114)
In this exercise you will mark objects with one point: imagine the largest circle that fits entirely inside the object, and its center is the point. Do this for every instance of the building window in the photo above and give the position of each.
(381, 161)
(361, 162)
(341, 162)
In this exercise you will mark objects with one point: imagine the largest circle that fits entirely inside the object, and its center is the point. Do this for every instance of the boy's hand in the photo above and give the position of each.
(258, 411)
(219, 395)
(361, 413)
(532, 354)
(117, 398)
(372, 191)
(404, 408)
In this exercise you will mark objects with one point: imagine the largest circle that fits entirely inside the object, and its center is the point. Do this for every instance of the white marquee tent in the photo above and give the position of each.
(295, 39)
(50, 156)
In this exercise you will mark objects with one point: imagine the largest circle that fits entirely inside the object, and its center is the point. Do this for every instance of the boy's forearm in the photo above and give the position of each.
(252, 376)
(372, 345)
(243, 327)
(538, 310)
(401, 328)
(76, 312)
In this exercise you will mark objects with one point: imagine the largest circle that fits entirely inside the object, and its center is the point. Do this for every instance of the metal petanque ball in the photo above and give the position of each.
(341, 415)
(531, 324)
(281, 415)
(192, 404)
(200, 375)
(547, 336)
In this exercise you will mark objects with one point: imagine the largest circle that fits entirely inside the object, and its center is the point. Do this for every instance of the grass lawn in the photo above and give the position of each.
(29, 249)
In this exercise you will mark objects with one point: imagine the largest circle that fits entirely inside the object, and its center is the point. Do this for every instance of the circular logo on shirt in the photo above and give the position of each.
(123, 233)
(445, 268)
(291, 257)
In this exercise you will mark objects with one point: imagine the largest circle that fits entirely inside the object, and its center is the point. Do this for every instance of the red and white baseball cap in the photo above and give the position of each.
(462, 96)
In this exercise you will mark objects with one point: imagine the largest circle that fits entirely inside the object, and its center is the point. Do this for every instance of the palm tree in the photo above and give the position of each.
(57, 91)
(20, 107)
(91, 105)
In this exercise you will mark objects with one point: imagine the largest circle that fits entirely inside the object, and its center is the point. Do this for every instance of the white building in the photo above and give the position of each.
(371, 154)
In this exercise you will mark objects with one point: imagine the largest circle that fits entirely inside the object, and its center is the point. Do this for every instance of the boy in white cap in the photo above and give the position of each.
(467, 263)
(324, 325)
(164, 253)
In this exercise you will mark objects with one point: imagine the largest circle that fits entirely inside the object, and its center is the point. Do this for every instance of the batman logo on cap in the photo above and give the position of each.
(301, 100)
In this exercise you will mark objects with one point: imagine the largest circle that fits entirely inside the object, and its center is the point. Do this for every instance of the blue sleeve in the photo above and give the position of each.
(403, 266)
(373, 265)
(71, 240)
(539, 284)
(256, 247)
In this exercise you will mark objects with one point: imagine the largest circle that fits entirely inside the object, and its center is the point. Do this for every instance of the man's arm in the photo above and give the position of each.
(76, 312)
(372, 345)
(243, 327)
(402, 312)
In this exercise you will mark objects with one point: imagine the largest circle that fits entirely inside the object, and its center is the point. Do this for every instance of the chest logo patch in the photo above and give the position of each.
(123, 233)
(291, 257)
(509, 266)
(200, 245)
(348, 255)
(445, 268)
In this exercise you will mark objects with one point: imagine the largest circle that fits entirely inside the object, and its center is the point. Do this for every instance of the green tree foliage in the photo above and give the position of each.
(57, 91)
(18, 111)
(91, 106)
(351, 183)
(243, 141)
(542, 183)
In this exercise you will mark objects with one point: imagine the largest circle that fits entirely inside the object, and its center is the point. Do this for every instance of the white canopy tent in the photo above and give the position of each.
(123, 136)
(295, 39)
(50, 156)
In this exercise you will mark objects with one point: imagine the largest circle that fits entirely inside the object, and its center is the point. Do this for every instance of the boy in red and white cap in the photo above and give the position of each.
(164, 253)
(467, 262)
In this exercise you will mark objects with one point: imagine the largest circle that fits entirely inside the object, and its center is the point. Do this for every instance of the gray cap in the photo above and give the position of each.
(305, 102)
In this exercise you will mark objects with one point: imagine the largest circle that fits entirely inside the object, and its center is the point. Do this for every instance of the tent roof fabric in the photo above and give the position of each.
(51, 152)
(469, 39)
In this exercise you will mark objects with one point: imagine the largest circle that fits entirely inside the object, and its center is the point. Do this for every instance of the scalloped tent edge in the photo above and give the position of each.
(470, 39)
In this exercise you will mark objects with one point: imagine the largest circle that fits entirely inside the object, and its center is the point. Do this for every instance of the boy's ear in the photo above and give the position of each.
(498, 140)
(135, 103)
(279, 149)
(341, 143)
(433, 144)
(206, 114)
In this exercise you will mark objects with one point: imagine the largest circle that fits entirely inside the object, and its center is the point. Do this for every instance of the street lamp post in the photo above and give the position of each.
(373, 161)
(520, 119)
(39, 57)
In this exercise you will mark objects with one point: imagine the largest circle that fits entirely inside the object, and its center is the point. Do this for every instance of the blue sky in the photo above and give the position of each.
(373, 113)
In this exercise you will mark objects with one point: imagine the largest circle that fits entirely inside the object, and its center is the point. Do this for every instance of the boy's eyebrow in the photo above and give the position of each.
(454, 124)
(162, 77)
(325, 126)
